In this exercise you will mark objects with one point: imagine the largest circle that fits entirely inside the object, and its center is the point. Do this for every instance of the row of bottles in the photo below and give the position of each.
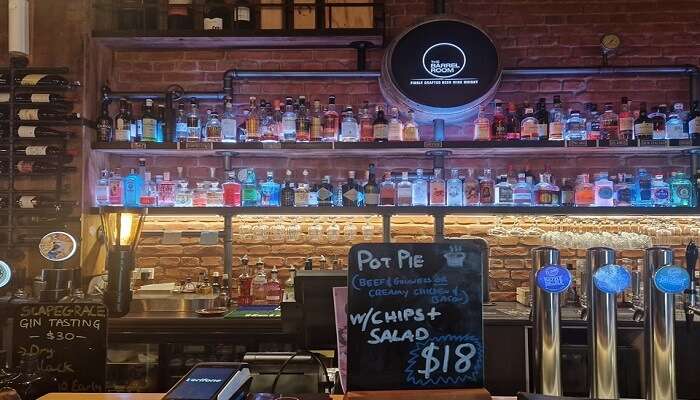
(139, 189)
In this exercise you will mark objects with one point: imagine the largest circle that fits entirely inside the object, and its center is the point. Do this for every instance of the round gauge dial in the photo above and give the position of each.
(5, 274)
(57, 246)
(610, 41)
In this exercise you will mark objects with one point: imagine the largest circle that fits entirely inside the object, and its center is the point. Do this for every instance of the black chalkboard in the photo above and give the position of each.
(414, 316)
(70, 340)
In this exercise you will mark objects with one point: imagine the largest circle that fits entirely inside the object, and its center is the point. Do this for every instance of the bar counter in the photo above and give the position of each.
(143, 396)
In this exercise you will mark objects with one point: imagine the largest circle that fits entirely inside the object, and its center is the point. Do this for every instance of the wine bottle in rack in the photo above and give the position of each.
(30, 132)
(27, 167)
(35, 201)
(31, 98)
(44, 81)
(32, 220)
(23, 150)
(45, 114)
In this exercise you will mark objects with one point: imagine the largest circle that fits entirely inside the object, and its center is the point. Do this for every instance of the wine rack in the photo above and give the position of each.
(22, 227)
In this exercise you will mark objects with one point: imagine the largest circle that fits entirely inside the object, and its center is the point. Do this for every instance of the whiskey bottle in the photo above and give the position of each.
(216, 16)
(325, 192)
(371, 189)
(180, 16)
(259, 284)
(289, 122)
(243, 15)
(245, 295)
(349, 190)
(104, 126)
(287, 193)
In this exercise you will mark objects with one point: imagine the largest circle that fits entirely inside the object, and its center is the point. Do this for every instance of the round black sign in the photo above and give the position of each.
(443, 66)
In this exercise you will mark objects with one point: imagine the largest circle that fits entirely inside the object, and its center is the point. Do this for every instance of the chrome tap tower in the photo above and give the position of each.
(546, 319)
(602, 327)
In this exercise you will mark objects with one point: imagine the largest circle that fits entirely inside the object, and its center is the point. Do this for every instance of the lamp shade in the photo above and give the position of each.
(122, 228)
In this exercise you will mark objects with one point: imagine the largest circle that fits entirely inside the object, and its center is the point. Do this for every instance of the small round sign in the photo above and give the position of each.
(612, 278)
(671, 279)
(5, 274)
(553, 278)
(57, 246)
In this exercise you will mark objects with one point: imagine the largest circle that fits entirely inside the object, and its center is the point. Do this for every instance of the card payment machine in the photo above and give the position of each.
(213, 381)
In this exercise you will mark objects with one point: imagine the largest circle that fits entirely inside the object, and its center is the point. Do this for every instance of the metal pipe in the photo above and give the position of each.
(602, 324)
(228, 245)
(546, 317)
(439, 6)
(573, 71)
(386, 228)
(658, 329)
(162, 95)
(439, 225)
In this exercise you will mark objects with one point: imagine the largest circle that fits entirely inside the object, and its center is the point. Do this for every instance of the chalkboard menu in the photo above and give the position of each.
(69, 339)
(414, 316)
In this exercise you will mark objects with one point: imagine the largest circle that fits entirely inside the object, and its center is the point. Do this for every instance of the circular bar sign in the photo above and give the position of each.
(612, 278)
(671, 279)
(442, 67)
(553, 278)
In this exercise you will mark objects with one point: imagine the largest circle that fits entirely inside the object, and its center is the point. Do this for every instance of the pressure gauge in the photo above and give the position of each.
(57, 246)
(610, 42)
(5, 274)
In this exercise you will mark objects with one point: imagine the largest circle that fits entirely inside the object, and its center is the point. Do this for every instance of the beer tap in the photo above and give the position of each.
(637, 305)
(690, 299)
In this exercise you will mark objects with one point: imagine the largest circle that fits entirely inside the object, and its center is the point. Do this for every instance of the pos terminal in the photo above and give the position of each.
(212, 381)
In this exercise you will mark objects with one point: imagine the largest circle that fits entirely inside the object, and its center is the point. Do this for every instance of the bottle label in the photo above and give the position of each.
(661, 194)
(148, 133)
(316, 128)
(228, 128)
(683, 192)
(675, 131)
(624, 196)
(404, 193)
(471, 194)
(26, 201)
(644, 130)
(35, 150)
(371, 199)
(26, 131)
(605, 193)
(544, 197)
(381, 131)
(243, 14)
(213, 24)
(122, 135)
(41, 98)
(25, 167)
(694, 125)
(528, 131)
(505, 195)
(250, 195)
(626, 124)
(29, 114)
(567, 197)
(4, 97)
(350, 195)
(486, 194)
(556, 130)
(482, 131)
(32, 79)
(410, 134)
(324, 195)
(542, 130)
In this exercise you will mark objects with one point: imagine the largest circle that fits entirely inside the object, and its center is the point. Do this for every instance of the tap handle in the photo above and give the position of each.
(691, 258)
(638, 314)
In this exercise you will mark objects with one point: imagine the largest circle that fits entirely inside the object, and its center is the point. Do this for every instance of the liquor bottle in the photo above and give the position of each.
(104, 126)
(543, 191)
(624, 190)
(166, 191)
(259, 283)
(482, 125)
(331, 122)
(682, 191)
(134, 125)
(303, 122)
(301, 194)
(380, 126)
(387, 191)
(349, 128)
(116, 189)
(269, 132)
(522, 191)
(102, 189)
(289, 122)
(455, 196)
(593, 122)
(486, 189)
(395, 126)
(694, 120)
(325, 192)
(273, 289)
(371, 189)
(287, 193)
(193, 122)
(22, 150)
(245, 295)
(584, 194)
(660, 192)
(603, 191)
(349, 190)
(436, 187)
(243, 15)
(567, 193)
(249, 189)
(149, 195)
(270, 192)
(642, 189)
(288, 294)
(575, 127)
(31, 132)
(216, 15)
(213, 128)
(252, 122)
(658, 122)
(555, 190)
(232, 190)
(180, 124)
(404, 191)
(512, 123)
(675, 124)
(183, 195)
(643, 127)
(365, 121)
(160, 127)
(316, 128)
(411, 132)
(503, 192)
(133, 186)
(180, 16)
(556, 120)
(498, 125)
(228, 122)
(44, 81)
(542, 117)
(203, 133)
(313, 194)
(199, 194)
(44, 114)
(626, 120)
(419, 190)
(148, 123)
(609, 123)
(122, 122)
(529, 126)
(471, 189)
(215, 195)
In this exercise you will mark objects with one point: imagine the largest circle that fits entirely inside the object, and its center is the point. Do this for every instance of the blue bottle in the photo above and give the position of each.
(682, 191)
(133, 185)
(270, 192)
(642, 186)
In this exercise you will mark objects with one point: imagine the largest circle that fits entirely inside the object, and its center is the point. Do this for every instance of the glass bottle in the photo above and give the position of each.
(498, 125)
(575, 127)
(287, 193)
(243, 15)
(567, 193)
(183, 195)
(273, 289)
(371, 189)
(542, 119)
(215, 196)
(658, 122)
(609, 123)
(642, 189)
(148, 123)
(455, 197)
(270, 192)
(134, 130)
(349, 190)
(624, 190)
(232, 190)
(486, 189)
(395, 125)
(411, 132)
(471, 189)
(603, 191)
(529, 126)
(482, 125)
(303, 122)
(584, 195)
(404, 191)
(503, 192)
(259, 283)
(366, 129)
(181, 131)
(252, 122)
(643, 127)
(316, 129)
(193, 122)
(387, 191)
(213, 129)
(122, 123)
(199, 194)
(660, 192)
(330, 122)
(593, 121)
(289, 122)
(245, 280)
(216, 16)
(301, 194)
(682, 191)
(102, 194)
(380, 126)
(675, 124)
(512, 123)
(133, 186)
(289, 285)
(104, 126)
(437, 188)
(349, 128)
(229, 125)
(543, 191)
(166, 191)
(626, 120)
(694, 120)
(249, 189)
(420, 189)
(522, 192)
(555, 191)
(325, 192)
(160, 131)
(556, 120)
(149, 194)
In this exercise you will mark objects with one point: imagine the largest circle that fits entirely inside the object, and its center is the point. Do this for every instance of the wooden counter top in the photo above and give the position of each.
(142, 396)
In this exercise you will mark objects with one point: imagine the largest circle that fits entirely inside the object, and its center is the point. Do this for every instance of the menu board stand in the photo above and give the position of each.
(438, 394)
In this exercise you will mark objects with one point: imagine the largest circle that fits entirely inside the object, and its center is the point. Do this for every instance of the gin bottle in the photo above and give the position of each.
(454, 189)
(249, 189)
(270, 192)
(486, 189)
(522, 192)
(556, 120)
(503, 192)
(149, 195)
(471, 189)
(232, 190)
(404, 191)
(609, 124)
(349, 129)
(420, 189)
(482, 125)
(593, 123)
(603, 191)
(166, 191)
(642, 189)
(199, 194)
(289, 122)
(245, 295)
(624, 190)
(102, 189)
(575, 128)
(301, 194)
(228, 122)
(325, 192)
(584, 195)
(349, 190)
(675, 123)
(682, 191)
(660, 192)
(395, 125)
(183, 196)
(133, 186)
(330, 122)
(411, 133)
(437, 188)
(116, 189)
(259, 284)
(273, 289)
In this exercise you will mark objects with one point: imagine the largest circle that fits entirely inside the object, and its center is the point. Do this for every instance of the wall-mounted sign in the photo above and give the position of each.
(57, 246)
(443, 67)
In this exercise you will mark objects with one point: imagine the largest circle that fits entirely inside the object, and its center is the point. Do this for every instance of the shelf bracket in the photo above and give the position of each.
(228, 244)
(438, 158)
(361, 48)
(386, 228)
(439, 226)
